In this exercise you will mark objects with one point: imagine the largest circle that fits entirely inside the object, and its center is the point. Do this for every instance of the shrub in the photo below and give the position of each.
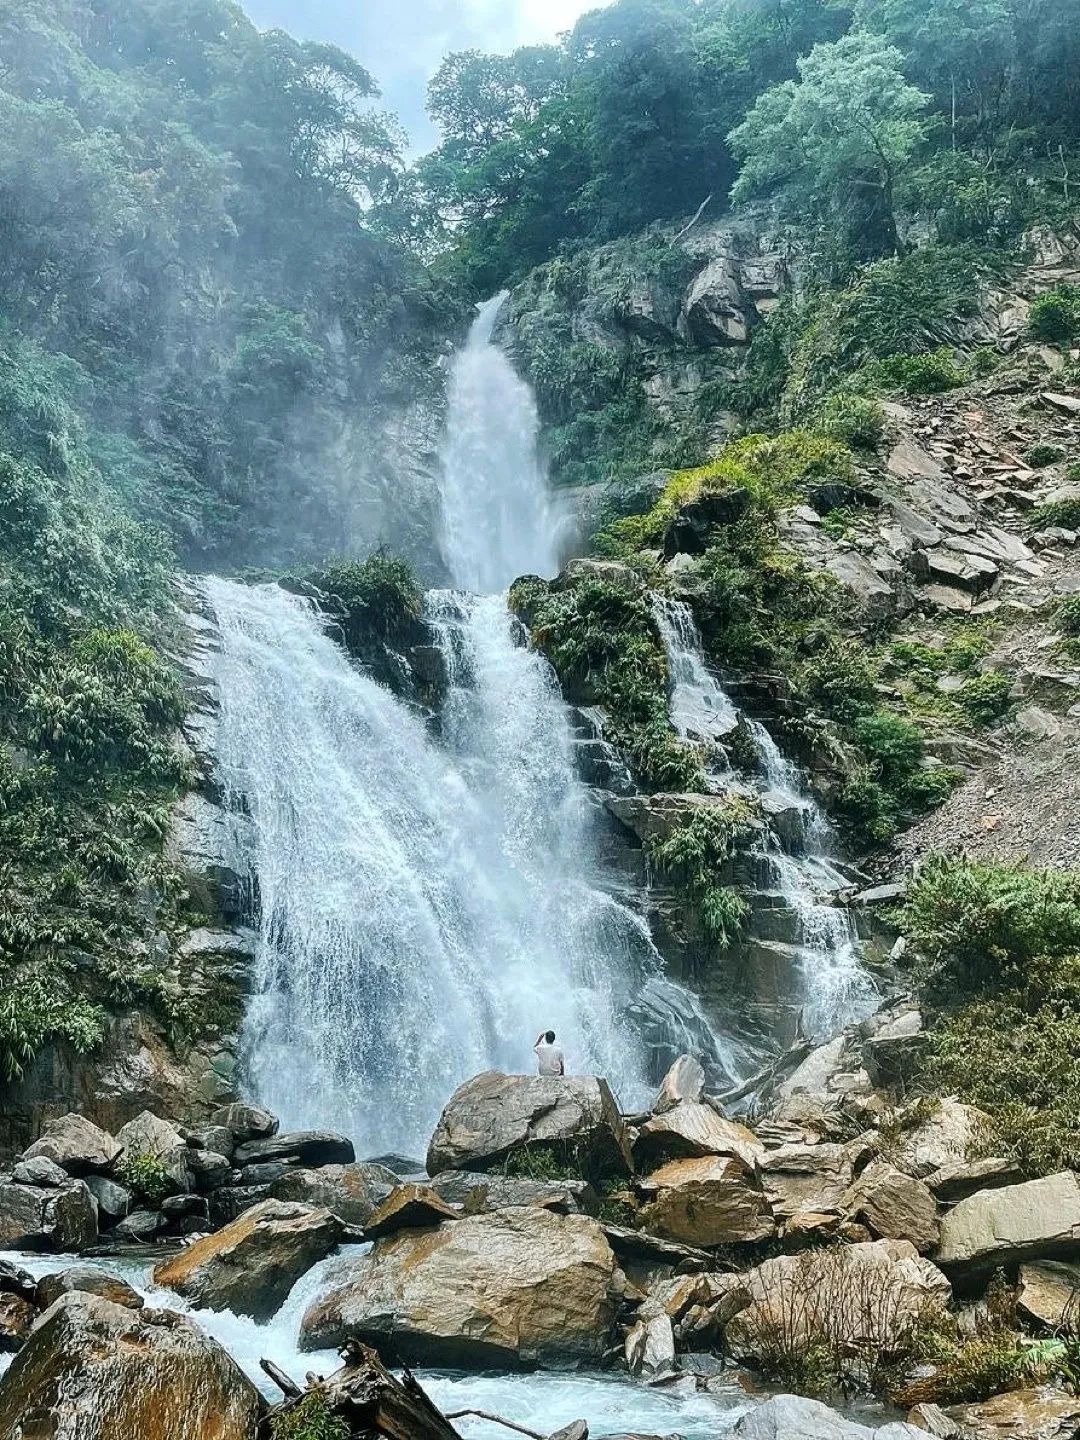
(929, 373)
(985, 698)
(856, 420)
(1055, 315)
(146, 1176)
(1068, 616)
(310, 1419)
(1041, 455)
(981, 1367)
(1063, 513)
(379, 593)
(694, 855)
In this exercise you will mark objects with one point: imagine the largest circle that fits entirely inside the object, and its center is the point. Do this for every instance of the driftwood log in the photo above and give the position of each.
(371, 1401)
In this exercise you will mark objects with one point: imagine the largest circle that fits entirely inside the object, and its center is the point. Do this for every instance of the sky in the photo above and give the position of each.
(402, 41)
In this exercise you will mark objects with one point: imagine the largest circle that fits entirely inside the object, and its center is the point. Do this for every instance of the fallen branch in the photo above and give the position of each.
(281, 1380)
(697, 216)
(495, 1420)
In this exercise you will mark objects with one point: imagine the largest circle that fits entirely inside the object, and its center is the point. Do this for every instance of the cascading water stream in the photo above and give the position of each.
(837, 989)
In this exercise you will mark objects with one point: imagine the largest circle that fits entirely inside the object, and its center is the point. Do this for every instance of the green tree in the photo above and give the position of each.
(836, 141)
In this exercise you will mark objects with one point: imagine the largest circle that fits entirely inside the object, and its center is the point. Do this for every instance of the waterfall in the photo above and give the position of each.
(498, 520)
(423, 912)
(837, 989)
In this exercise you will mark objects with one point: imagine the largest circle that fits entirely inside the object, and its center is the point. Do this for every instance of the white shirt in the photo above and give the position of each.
(549, 1058)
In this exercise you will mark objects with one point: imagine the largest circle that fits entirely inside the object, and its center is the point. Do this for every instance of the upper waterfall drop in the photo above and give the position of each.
(498, 518)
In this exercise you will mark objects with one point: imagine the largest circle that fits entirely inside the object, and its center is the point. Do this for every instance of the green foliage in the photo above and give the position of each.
(986, 1365)
(603, 642)
(894, 785)
(310, 1419)
(694, 856)
(985, 698)
(380, 593)
(1055, 315)
(1041, 455)
(1067, 616)
(1052, 514)
(146, 1176)
(539, 1162)
(928, 373)
(855, 420)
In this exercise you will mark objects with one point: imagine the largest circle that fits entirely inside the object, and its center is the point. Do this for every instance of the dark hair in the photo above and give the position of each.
(550, 1037)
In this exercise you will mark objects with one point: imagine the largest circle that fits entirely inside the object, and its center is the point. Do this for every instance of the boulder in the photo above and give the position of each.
(306, 1147)
(33, 1218)
(146, 1135)
(40, 1170)
(408, 1207)
(493, 1115)
(792, 1417)
(949, 1135)
(802, 1179)
(1037, 1414)
(1049, 1293)
(863, 1296)
(92, 1370)
(209, 1169)
(689, 1129)
(507, 1289)
(141, 1226)
(76, 1145)
(690, 532)
(17, 1315)
(88, 1281)
(705, 1202)
(245, 1122)
(1038, 1220)
(893, 1206)
(684, 1081)
(217, 1139)
(715, 312)
(251, 1265)
(352, 1192)
(961, 1178)
(113, 1200)
(502, 1192)
(650, 1346)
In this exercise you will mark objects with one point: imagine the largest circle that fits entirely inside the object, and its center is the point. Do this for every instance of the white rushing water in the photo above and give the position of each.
(837, 989)
(498, 518)
(545, 1401)
(423, 912)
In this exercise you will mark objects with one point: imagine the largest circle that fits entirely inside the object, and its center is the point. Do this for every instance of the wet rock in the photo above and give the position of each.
(185, 1207)
(893, 1206)
(307, 1147)
(88, 1281)
(684, 1081)
(113, 1201)
(33, 1218)
(251, 1265)
(147, 1135)
(1039, 1220)
(141, 1226)
(17, 1315)
(215, 1139)
(610, 571)
(511, 1288)
(92, 1370)
(75, 1145)
(244, 1123)
(656, 817)
(864, 1295)
(492, 1115)
(689, 1129)
(208, 1169)
(264, 1174)
(1049, 1293)
(40, 1171)
(714, 1200)
(230, 1202)
(352, 1192)
(1036, 1414)
(792, 1417)
(408, 1207)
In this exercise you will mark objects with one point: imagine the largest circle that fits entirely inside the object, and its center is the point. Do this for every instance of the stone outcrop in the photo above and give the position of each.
(1038, 1220)
(304, 1147)
(147, 1135)
(408, 1207)
(92, 1370)
(493, 1115)
(251, 1265)
(37, 1218)
(512, 1288)
(502, 1192)
(685, 1080)
(950, 1135)
(705, 1202)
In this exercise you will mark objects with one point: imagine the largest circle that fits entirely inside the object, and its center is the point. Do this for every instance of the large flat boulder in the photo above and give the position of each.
(854, 1297)
(92, 1370)
(35, 1218)
(1049, 1293)
(507, 1289)
(76, 1145)
(251, 1265)
(807, 1179)
(950, 1135)
(1041, 1413)
(502, 1192)
(303, 1147)
(709, 1201)
(1038, 1220)
(492, 1115)
(352, 1192)
(793, 1417)
(691, 1128)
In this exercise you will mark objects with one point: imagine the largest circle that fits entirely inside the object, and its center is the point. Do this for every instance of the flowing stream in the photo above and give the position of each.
(836, 988)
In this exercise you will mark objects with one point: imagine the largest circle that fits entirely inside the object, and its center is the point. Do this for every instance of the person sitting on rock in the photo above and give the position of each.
(549, 1058)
